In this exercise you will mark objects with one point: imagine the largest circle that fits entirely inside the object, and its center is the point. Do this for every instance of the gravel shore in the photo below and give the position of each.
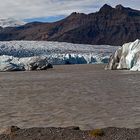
(69, 133)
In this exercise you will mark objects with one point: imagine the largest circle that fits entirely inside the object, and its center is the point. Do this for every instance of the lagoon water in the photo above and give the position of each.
(81, 95)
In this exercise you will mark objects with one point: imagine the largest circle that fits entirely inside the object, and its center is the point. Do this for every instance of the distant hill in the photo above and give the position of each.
(113, 26)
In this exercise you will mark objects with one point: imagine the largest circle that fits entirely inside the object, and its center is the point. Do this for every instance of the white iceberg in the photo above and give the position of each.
(126, 57)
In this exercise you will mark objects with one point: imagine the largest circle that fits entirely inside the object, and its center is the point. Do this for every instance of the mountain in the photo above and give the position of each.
(112, 26)
(10, 22)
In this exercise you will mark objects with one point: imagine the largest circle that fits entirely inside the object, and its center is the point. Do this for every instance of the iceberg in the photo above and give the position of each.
(126, 57)
(10, 63)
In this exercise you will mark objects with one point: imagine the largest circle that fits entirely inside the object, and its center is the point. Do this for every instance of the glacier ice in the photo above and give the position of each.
(58, 53)
(35, 63)
(10, 63)
(126, 57)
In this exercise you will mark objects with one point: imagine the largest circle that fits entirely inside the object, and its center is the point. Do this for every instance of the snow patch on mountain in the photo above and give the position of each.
(10, 22)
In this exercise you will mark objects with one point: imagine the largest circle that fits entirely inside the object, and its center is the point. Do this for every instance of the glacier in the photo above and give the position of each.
(58, 53)
(126, 57)
(39, 55)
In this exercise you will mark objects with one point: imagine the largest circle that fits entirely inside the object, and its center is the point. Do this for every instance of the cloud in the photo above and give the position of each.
(23, 9)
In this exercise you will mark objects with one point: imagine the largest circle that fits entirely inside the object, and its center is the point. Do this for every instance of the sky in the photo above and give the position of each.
(53, 10)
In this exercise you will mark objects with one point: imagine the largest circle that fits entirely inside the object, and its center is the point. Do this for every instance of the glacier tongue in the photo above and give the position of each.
(37, 55)
(58, 53)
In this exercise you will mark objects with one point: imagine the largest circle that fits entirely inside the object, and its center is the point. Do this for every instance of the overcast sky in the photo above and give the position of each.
(53, 9)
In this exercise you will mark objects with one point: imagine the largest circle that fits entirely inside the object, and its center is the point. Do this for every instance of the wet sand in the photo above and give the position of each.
(78, 95)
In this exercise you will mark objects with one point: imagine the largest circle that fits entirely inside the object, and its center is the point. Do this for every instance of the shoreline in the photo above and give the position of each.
(69, 133)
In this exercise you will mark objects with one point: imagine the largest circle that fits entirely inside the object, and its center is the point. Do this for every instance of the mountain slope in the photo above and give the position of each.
(113, 26)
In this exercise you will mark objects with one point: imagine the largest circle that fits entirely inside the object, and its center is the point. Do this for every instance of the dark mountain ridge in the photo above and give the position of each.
(113, 26)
